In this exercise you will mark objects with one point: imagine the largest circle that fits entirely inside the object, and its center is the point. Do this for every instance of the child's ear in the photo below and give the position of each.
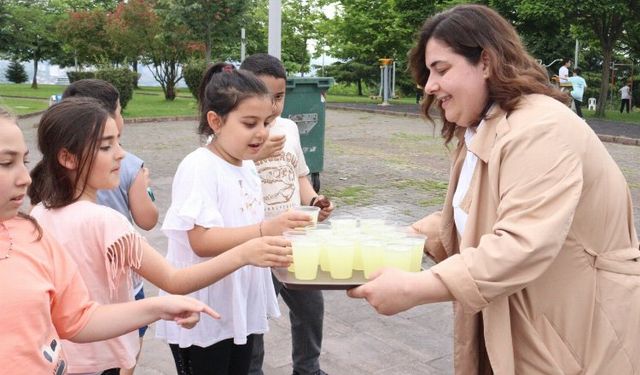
(67, 159)
(214, 121)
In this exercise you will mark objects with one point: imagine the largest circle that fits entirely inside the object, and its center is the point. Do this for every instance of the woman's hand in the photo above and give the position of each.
(285, 221)
(392, 291)
(185, 311)
(267, 252)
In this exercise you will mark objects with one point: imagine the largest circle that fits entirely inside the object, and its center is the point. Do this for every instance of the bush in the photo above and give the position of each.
(192, 73)
(122, 79)
(16, 73)
(76, 76)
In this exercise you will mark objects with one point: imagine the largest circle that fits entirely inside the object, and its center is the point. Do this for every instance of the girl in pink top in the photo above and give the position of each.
(81, 154)
(44, 298)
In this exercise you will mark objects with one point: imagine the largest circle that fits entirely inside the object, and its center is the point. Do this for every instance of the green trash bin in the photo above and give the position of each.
(304, 105)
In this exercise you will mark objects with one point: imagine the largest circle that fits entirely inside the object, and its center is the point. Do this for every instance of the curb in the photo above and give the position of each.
(137, 120)
(618, 139)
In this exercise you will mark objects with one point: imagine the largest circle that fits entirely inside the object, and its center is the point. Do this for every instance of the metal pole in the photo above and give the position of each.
(393, 82)
(381, 80)
(576, 54)
(275, 28)
(243, 46)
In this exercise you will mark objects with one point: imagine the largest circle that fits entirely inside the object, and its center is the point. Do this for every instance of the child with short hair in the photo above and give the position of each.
(131, 197)
(285, 185)
(81, 155)
(44, 298)
(216, 203)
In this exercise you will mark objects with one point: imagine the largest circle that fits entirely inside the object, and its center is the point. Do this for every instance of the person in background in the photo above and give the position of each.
(563, 72)
(536, 241)
(579, 85)
(625, 97)
(133, 197)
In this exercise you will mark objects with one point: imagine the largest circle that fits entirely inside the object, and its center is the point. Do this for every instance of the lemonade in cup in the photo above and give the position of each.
(306, 254)
(341, 252)
(398, 255)
(293, 235)
(322, 232)
(372, 256)
(416, 241)
(312, 211)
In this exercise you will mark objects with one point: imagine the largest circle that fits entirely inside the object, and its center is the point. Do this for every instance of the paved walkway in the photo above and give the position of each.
(375, 165)
(609, 131)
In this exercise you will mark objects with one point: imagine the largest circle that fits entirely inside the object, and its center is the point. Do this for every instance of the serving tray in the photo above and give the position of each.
(322, 282)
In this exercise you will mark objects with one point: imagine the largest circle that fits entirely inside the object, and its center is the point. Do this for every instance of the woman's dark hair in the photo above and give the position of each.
(471, 30)
(75, 125)
(7, 115)
(102, 91)
(223, 93)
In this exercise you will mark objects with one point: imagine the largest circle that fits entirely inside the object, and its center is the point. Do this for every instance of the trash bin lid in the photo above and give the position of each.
(320, 82)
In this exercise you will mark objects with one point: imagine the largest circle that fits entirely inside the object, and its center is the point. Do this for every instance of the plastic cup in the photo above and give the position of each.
(398, 255)
(322, 234)
(340, 226)
(293, 235)
(372, 256)
(371, 225)
(312, 211)
(341, 253)
(306, 254)
(416, 241)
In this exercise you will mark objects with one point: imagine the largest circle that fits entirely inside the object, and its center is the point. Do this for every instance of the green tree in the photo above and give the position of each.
(85, 36)
(171, 46)
(211, 21)
(15, 73)
(30, 32)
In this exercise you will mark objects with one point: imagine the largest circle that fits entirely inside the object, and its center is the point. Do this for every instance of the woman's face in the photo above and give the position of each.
(459, 86)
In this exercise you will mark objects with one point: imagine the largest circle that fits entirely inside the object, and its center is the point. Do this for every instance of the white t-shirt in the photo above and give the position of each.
(209, 192)
(624, 92)
(563, 74)
(279, 174)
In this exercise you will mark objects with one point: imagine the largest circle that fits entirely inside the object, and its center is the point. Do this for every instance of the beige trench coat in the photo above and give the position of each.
(547, 272)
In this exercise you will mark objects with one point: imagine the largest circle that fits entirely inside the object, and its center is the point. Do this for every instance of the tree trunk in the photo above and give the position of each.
(170, 94)
(134, 65)
(604, 85)
(359, 87)
(34, 82)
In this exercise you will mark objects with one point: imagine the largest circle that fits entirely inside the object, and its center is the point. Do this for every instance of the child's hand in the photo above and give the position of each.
(285, 221)
(271, 147)
(326, 207)
(268, 252)
(185, 311)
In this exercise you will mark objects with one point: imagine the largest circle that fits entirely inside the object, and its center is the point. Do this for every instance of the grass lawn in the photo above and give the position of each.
(365, 99)
(633, 117)
(150, 102)
(24, 106)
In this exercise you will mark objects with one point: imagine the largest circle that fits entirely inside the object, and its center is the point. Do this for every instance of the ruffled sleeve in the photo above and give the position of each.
(194, 198)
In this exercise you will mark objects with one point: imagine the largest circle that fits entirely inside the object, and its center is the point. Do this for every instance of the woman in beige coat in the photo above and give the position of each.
(535, 244)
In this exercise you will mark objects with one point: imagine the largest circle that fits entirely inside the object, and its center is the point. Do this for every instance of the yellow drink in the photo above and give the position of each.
(312, 211)
(322, 233)
(416, 242)
(340, 226)
(372, 257)
(398, 255)
(306, 253)
(341, 253)
(294, 235)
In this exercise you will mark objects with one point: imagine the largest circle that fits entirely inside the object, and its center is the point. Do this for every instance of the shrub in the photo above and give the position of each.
(192, 73)
(76, 76)
(16, 73)
(122, 79)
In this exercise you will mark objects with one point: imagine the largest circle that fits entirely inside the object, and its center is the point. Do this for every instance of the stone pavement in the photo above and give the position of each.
(375, 166)
(609, 131)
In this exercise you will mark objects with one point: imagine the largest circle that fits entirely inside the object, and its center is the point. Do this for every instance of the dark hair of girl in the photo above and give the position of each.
(75, 125)
(223, 93)
(471, 30)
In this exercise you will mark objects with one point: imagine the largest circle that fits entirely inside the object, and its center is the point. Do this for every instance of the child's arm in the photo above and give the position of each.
(207, 242)
(110, 321)
(307, 194)
(143, 210)
(260, 252)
